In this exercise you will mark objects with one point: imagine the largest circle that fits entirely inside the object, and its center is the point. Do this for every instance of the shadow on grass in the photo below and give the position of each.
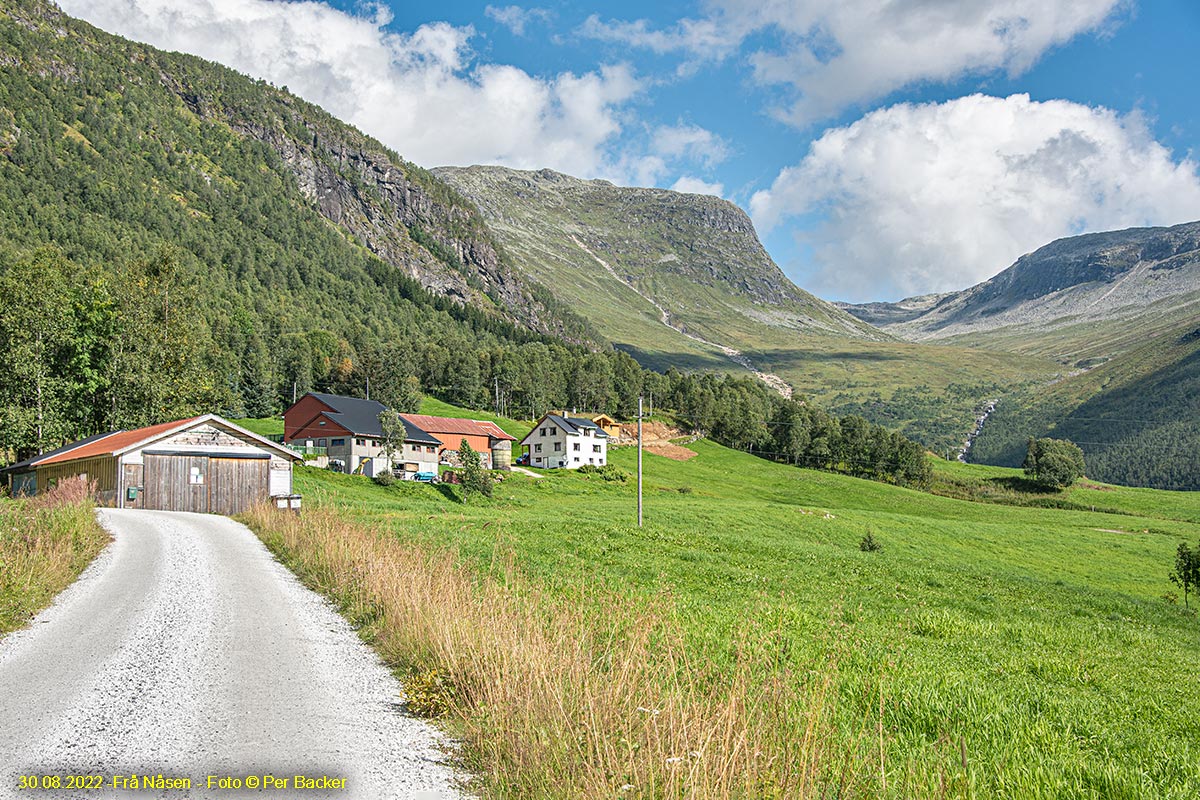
(447, 491)
(1016, 483)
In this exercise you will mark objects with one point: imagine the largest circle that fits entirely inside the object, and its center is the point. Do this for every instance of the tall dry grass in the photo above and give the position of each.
(588, 698)
(45, 542)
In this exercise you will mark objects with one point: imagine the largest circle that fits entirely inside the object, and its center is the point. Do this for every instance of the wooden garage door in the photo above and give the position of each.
(176, 482)
(236, 484)
(205, 484)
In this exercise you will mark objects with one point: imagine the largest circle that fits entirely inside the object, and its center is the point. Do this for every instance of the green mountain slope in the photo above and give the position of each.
(662, 274)
(1119, 310)
(682, 280)
(1079, 300)
(107, 141)
(1136, 416)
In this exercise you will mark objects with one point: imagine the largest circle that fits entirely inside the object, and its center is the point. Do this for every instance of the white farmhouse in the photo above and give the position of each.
(568, 442)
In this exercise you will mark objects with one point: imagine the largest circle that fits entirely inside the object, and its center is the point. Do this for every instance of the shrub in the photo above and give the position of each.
(611, 473)
(869, 544)
(474, 479)
(385, 478)
(1055, 463)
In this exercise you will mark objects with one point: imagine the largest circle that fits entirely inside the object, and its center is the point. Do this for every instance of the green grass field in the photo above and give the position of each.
(1032, 649)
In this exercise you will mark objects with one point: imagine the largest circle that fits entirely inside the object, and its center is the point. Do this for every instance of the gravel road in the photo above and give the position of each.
(187, 651)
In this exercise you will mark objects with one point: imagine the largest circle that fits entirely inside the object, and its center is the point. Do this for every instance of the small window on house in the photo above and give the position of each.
(602, 462)
(557, 446)
(575, 447)
(577, 459)
(320, 442)
(591, 461)
(544, 431)
(537, 448)
(595, 448)
(430, 449)
(337, 442)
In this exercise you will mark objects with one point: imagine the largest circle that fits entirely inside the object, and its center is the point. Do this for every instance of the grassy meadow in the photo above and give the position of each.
(44, 544)
(985, 650)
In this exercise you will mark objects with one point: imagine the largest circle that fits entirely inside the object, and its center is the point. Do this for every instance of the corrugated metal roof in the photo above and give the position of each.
(29, 462)
(473, 427)
(107, 445)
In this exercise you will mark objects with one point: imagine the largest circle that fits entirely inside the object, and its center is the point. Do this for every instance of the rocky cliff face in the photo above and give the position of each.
(398, 211)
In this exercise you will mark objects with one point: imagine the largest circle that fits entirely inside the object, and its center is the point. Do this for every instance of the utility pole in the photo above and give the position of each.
(639, 462)
(368, 387)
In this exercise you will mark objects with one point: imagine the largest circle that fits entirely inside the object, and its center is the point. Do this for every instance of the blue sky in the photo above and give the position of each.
(883, 149)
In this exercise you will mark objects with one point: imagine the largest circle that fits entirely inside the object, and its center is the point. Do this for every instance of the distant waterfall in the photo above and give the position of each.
(982, 418)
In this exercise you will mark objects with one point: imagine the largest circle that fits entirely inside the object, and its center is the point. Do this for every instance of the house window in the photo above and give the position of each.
(575, 447)
(538, 460)
(591, 461)
(595, 448)
(557, 446)
(537, 448)
(337, 442)
(576, 459)
(544, 431)
(320, 442)
(430, 449)
(602, 462)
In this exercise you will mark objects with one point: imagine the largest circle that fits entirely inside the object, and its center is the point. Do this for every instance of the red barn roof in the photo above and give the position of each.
(120, 441)
(107, 445)
(471, 427)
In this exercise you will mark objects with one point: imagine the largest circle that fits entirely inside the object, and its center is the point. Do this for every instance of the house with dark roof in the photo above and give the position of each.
(349, 431)
(568, 442)
(486, 438)
(204, 464)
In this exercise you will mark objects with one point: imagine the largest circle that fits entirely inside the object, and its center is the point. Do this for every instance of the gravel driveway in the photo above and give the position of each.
(187, 651)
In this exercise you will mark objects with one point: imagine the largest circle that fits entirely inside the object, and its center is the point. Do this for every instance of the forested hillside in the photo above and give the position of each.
(176, 238)
(1137, 417)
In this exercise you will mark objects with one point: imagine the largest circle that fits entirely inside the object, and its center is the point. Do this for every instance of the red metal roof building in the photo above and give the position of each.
(204, 464)
(486, 438)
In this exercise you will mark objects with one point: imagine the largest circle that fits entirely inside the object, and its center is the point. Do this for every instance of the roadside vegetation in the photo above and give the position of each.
(44, 544)
(967, 649)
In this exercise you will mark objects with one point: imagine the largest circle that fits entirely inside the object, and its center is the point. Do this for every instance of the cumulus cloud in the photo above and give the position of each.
(691, 142)
(516, 18)
(421, 92)
(834, 53)
(935, 197)
(697, 186)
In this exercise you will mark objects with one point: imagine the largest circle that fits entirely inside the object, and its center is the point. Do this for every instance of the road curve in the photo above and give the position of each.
(187, 651)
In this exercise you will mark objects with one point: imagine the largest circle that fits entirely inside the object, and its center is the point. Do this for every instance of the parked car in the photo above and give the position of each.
(426, 477)
(523, 460)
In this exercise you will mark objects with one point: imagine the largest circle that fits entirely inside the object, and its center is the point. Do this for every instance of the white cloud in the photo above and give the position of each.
(703, 36)
(419, 92)
(920, 198)
(691, 142)
(516, 18)
(836, 53)
(697, 186)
